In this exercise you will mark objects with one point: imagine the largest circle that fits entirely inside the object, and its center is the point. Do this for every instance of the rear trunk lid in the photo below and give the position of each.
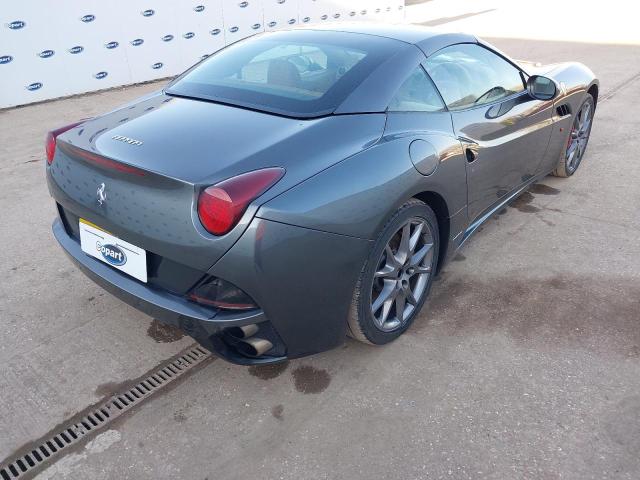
(155, 156)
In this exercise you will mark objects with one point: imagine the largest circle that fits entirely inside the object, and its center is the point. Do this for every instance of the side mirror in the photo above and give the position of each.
(541, 88)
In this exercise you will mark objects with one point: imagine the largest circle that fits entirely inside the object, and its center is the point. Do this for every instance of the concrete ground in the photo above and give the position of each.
(525, 362)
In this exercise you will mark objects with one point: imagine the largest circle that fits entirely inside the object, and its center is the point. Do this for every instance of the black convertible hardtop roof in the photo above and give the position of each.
(427, 39)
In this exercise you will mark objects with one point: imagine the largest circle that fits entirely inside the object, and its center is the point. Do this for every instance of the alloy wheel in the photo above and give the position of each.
(579, 137)
(402, 274)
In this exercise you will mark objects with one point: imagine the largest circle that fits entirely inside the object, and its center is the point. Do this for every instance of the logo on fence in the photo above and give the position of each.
(147, 13)
(34, 86)
(189, 35)
(5, 59)
(158, 65)
(16, 25)
(77, 49)
(111, 45)
(88, 18)
(243, 4)
(167, 38)
(256, 26)
(46, 53)
(199, 8)
(234, 29)
(215, 31)
(137, 42)
(100, 75)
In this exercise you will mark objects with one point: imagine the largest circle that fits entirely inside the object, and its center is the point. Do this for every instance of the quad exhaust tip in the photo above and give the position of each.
(246, 343)
(243, 332)
(254, 347)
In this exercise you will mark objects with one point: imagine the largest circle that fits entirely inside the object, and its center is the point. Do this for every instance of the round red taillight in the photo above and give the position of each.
(221, 206)
(215, 208)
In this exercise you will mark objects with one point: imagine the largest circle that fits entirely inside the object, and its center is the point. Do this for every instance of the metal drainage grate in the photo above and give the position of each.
(102, 415)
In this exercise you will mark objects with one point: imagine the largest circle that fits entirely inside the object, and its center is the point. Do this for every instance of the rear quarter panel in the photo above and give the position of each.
(356, 196)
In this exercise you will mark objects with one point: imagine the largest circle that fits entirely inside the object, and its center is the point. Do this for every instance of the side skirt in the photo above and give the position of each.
(506, 200)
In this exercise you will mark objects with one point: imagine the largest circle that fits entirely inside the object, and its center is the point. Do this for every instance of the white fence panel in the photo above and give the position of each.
(53, 49)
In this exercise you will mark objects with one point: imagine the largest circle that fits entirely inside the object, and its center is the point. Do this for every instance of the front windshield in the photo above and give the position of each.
(298, 73)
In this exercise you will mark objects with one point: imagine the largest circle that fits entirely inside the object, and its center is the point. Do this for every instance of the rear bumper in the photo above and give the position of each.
(201, 323)
(302, 279)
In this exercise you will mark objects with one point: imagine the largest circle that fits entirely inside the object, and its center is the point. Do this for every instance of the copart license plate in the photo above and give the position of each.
(119, 254)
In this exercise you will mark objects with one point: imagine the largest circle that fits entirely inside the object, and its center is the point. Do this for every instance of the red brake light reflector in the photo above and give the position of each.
(99, 159)
(220, 206)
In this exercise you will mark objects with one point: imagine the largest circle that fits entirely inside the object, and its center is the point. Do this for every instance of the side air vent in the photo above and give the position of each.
(563, 110)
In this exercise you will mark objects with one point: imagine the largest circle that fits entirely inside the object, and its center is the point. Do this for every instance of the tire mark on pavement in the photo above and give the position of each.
(609, 94)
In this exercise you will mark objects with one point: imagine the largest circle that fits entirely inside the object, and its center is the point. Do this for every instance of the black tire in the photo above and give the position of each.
(362, 325)
(567, 166)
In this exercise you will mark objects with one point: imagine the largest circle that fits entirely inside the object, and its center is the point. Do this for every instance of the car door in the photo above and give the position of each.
(504, 131)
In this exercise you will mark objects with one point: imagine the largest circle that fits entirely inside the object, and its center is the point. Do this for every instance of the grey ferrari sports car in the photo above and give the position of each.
(301, 186)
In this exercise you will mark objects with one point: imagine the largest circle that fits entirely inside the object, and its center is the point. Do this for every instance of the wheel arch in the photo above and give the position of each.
(593, 91)
(438, 204)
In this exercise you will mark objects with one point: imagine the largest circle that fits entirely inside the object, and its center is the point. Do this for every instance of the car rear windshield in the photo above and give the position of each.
(296, 73)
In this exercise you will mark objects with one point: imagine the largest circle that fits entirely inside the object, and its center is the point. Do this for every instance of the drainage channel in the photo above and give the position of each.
(58, 442)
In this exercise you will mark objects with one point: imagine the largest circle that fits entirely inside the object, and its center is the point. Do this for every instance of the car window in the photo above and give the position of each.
(467, 75)
(417, 94)
(294, 73)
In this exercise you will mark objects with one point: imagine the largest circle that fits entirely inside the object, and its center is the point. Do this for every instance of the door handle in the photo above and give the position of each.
(470, 154)
(470, 148)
